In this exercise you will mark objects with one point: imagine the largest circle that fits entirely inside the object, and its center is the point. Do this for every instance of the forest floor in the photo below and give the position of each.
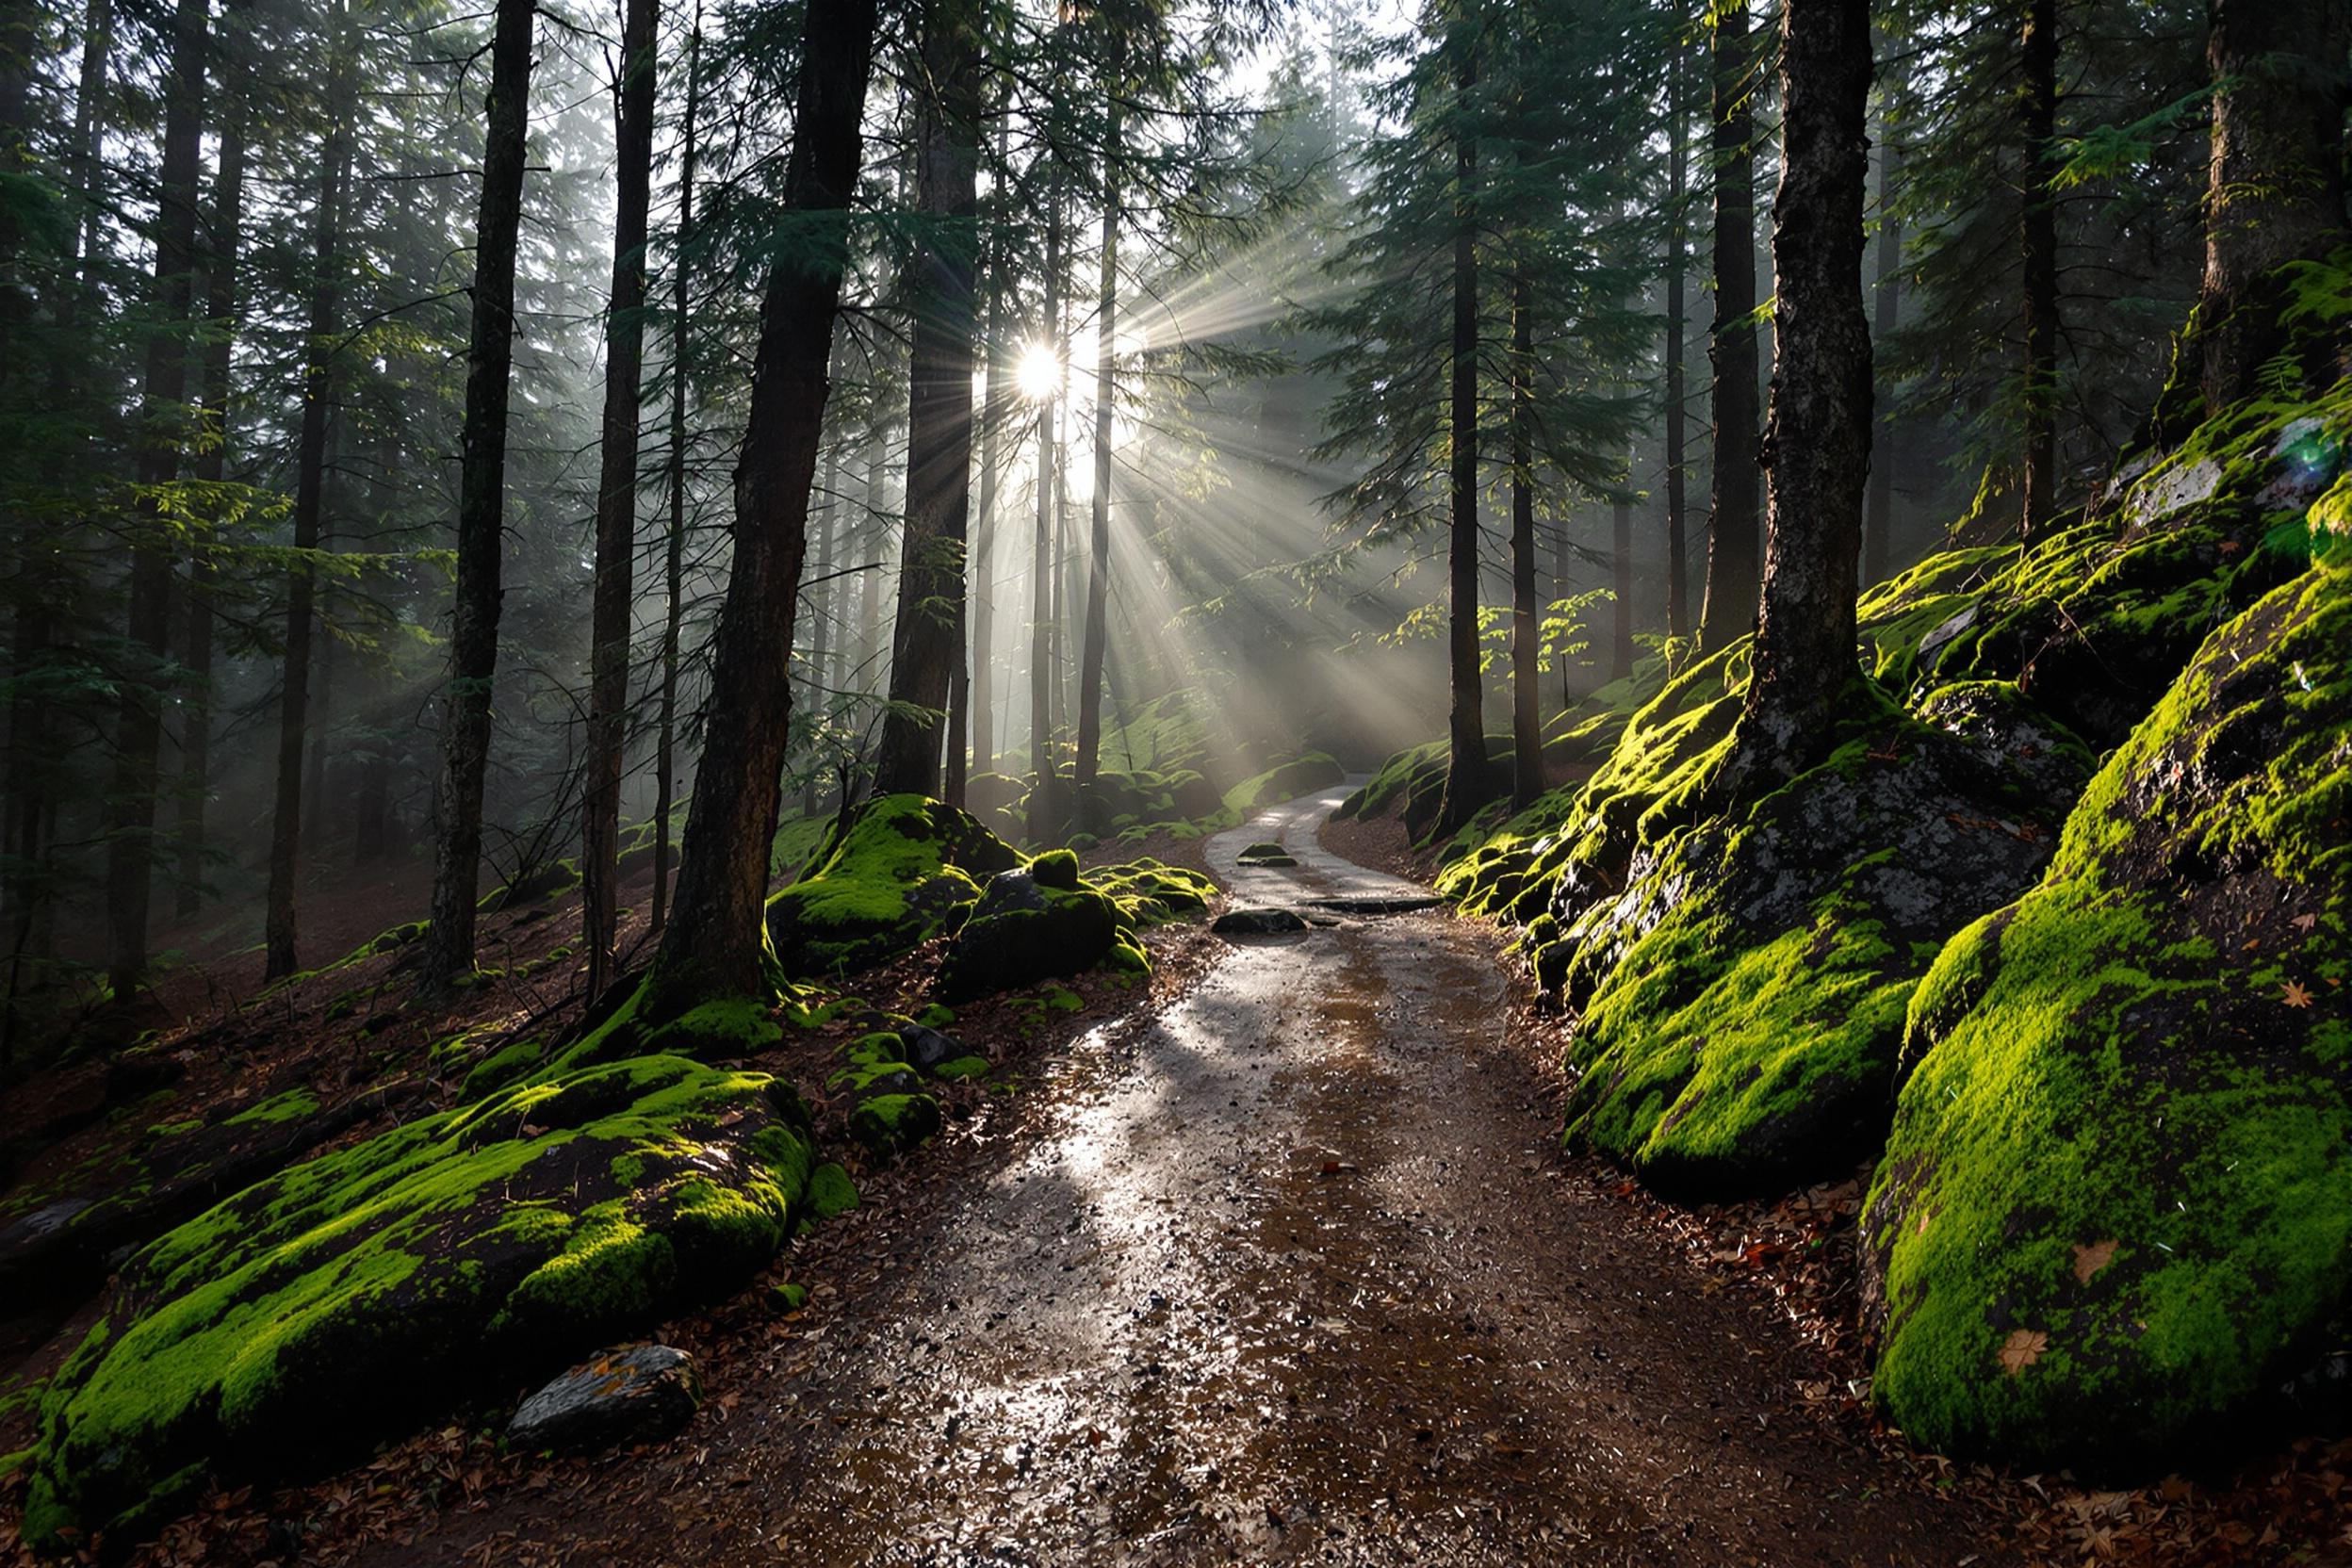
(1277, 1262)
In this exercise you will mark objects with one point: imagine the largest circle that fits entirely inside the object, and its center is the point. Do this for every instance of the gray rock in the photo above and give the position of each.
(1258, 923)
(634, 1394)
(927, 1048)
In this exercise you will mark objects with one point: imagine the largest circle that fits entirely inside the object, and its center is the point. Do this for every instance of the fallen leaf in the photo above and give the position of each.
(2023, 1347)
(2304, 923)
(2297, 996)
(2090, 1259)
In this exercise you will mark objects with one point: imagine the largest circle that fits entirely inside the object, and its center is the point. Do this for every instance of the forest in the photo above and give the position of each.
(1161, 781)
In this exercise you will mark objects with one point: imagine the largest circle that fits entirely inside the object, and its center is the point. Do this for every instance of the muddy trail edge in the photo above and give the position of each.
(1287, 1273)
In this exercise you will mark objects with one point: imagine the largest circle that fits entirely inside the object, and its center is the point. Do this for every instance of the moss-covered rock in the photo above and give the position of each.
(1023, 930)
(1747, 988)
(341, 1301)
(891, 878)
(1046, 920)
(2116, 1204)
(887, 1125)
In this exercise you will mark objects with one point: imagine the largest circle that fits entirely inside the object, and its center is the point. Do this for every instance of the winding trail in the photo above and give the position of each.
(1288, 1274)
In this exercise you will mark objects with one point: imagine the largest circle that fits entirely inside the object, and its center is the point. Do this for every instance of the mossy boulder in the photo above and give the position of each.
(1025, 929)
(1151, 892)
(343, 1300)
(176, 1169)
(2116, 1204)
(887, 1125)
(1743, 997)
(888, 878)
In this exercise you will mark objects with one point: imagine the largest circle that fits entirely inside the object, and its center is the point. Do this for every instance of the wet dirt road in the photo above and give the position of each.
(1289, 1274)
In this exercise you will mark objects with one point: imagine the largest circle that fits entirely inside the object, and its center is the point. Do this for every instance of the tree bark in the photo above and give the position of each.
(221, 308)
(1728, 611)
(1677, 393)
(2275, 184)
(979, 687)
(481, 507)
(1097, 630)
(878, 526)
(2038, 232)
(615, 604)
(90, 170)
(928, 635)
(716, 937)
(1886, 305)
(1469, 777)
(1817, 446)
(138, 723)
(285, 821)
(1526, 633)
(1621, 584)
(1045, 816)
(824, 560)
(673, 545)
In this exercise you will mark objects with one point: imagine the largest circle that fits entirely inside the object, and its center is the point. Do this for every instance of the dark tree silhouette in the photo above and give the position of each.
(481, 505)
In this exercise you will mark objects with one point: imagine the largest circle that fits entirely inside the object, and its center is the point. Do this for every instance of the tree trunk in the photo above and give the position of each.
(1097, 630)
(1469, 778)
(869, 577)
(1527, 614)
(978, 687)
(1677, 270)
(1885, 302)
(1621, 584)
(674, 546)
(925, 643)
(1045, 816)
(285, 821)
(716, 937)
(2038, 110)
(615, 603)
(1817, 446)
(90, 170)
(1728, 611)
(824, 563)
(322, 709)
(2275, 190)
(139, 724)
(481, 507)
(221, 308)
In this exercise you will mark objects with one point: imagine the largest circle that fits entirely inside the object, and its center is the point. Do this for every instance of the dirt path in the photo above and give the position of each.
(1289, 1274)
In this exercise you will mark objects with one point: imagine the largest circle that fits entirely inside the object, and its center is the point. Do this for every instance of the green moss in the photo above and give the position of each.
(831, 1192)
(888, 1124)
(502, 1066)
(881, 884)
(2116, 1204)
(1287, 781)
(295, 1104)
(790, 1297)
(328, 1306)
(962, 1066)
(1055, 868)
